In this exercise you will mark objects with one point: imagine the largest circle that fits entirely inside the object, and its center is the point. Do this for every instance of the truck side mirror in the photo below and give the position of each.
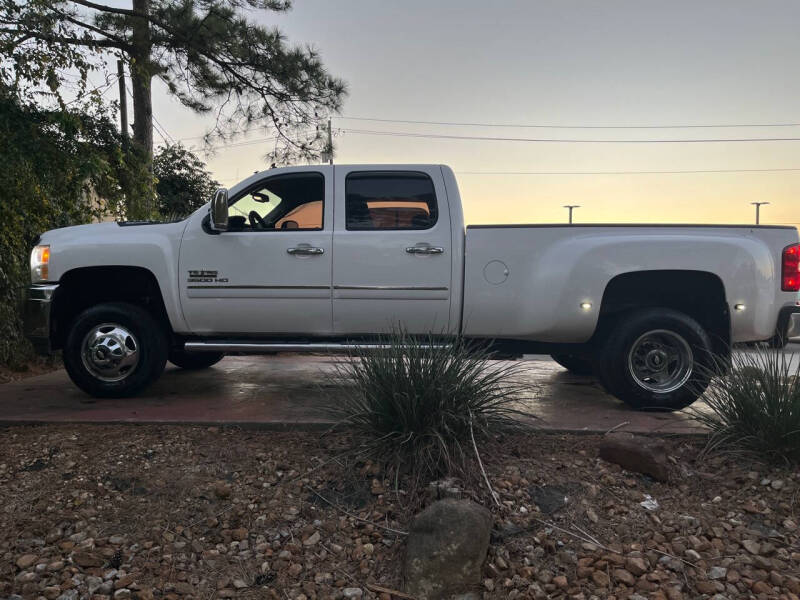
(218, 211)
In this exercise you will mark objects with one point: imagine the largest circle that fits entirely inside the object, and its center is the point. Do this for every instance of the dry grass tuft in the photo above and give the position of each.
(755, 407)
(425, 403)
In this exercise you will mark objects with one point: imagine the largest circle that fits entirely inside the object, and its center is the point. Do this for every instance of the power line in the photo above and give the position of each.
(193, 137)
(563, 140)
(157, 122)
(202, 137)
(161, 133)
(240, 144)
(160, 129)
(107, 85)
(553, 126)
(306, 129)
(793, 169)
(236, 144)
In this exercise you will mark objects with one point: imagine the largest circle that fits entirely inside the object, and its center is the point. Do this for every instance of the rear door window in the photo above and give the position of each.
(394, 200)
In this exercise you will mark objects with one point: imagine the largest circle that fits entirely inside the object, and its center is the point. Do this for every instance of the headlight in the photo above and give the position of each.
(40, 259)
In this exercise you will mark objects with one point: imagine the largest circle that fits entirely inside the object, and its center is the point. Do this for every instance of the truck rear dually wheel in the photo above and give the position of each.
(656, 359)
(114, 350)
(194, 360)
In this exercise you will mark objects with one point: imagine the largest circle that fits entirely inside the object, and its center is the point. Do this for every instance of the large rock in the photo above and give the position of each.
(87, 559)
(636, 453)
(26, 560)
(446, 548)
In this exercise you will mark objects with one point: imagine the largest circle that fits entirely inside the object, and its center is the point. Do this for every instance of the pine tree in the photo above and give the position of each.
(210, 54)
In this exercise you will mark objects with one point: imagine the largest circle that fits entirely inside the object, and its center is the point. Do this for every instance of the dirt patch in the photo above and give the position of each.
(171, 512)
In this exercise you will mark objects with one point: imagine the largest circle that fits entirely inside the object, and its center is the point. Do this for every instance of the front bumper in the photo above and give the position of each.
(38, 315)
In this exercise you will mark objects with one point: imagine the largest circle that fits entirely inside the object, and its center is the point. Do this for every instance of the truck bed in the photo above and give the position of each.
(546, 282)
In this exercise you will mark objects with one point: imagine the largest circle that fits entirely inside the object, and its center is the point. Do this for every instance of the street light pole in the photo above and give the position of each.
(758, 210)
(570, 207)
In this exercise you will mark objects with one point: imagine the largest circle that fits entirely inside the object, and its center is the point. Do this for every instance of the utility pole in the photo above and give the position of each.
(330, 143)
(571, 207)
(123, 103)
(758, 210)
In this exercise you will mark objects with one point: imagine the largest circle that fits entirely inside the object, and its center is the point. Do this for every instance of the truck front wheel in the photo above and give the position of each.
(114, 350)
(656, 359)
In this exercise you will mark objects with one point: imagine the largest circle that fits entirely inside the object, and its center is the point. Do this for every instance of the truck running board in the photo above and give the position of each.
(256, 347)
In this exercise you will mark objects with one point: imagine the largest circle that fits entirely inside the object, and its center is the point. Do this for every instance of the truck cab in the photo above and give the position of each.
(324, 251)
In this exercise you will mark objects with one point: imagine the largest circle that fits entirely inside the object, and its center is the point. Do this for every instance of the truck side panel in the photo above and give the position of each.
(546, 283)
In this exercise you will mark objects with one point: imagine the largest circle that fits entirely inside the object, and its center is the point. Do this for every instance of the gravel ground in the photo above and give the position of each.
(179, 512)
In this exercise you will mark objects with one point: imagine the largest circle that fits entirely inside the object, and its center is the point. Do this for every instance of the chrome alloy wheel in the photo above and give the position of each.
(660, 361)
(110, 352)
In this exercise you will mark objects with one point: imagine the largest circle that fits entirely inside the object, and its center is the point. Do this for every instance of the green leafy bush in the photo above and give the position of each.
(56, 165)
(184, 184)
(755, 407)
(422, 402)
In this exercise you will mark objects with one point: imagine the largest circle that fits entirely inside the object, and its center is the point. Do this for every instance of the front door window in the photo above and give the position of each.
(293, 201)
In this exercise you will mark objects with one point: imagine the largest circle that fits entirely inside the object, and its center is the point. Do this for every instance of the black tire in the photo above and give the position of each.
(621, 356)
(194, 360)
(146, 338)
(574, 364)
(778, 341)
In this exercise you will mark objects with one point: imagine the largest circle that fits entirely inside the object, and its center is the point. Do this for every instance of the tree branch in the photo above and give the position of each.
(25, 37)
(110, 9)
(75, 21)
(91, 42)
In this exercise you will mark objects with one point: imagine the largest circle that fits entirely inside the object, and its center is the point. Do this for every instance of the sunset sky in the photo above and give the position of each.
(572, 63)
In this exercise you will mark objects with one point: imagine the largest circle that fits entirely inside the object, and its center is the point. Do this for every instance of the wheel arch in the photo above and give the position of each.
(698, 294)
(83, 287)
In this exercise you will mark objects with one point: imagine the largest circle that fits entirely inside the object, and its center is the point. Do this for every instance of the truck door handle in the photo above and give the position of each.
(425, 250)
(305, 251)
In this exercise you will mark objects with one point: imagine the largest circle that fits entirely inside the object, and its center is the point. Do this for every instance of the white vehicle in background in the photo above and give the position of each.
(325, 258)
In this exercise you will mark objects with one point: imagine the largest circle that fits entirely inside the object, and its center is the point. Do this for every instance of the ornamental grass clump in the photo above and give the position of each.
(423, 403)
(755, 407)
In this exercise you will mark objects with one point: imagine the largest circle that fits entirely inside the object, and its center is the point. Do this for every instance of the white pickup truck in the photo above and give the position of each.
(325, 258)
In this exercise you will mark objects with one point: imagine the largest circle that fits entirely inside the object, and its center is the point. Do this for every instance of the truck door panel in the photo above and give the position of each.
(271, 273)
(392, 255)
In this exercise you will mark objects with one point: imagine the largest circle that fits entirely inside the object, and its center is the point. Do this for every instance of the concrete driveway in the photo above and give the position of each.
(286, 391)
